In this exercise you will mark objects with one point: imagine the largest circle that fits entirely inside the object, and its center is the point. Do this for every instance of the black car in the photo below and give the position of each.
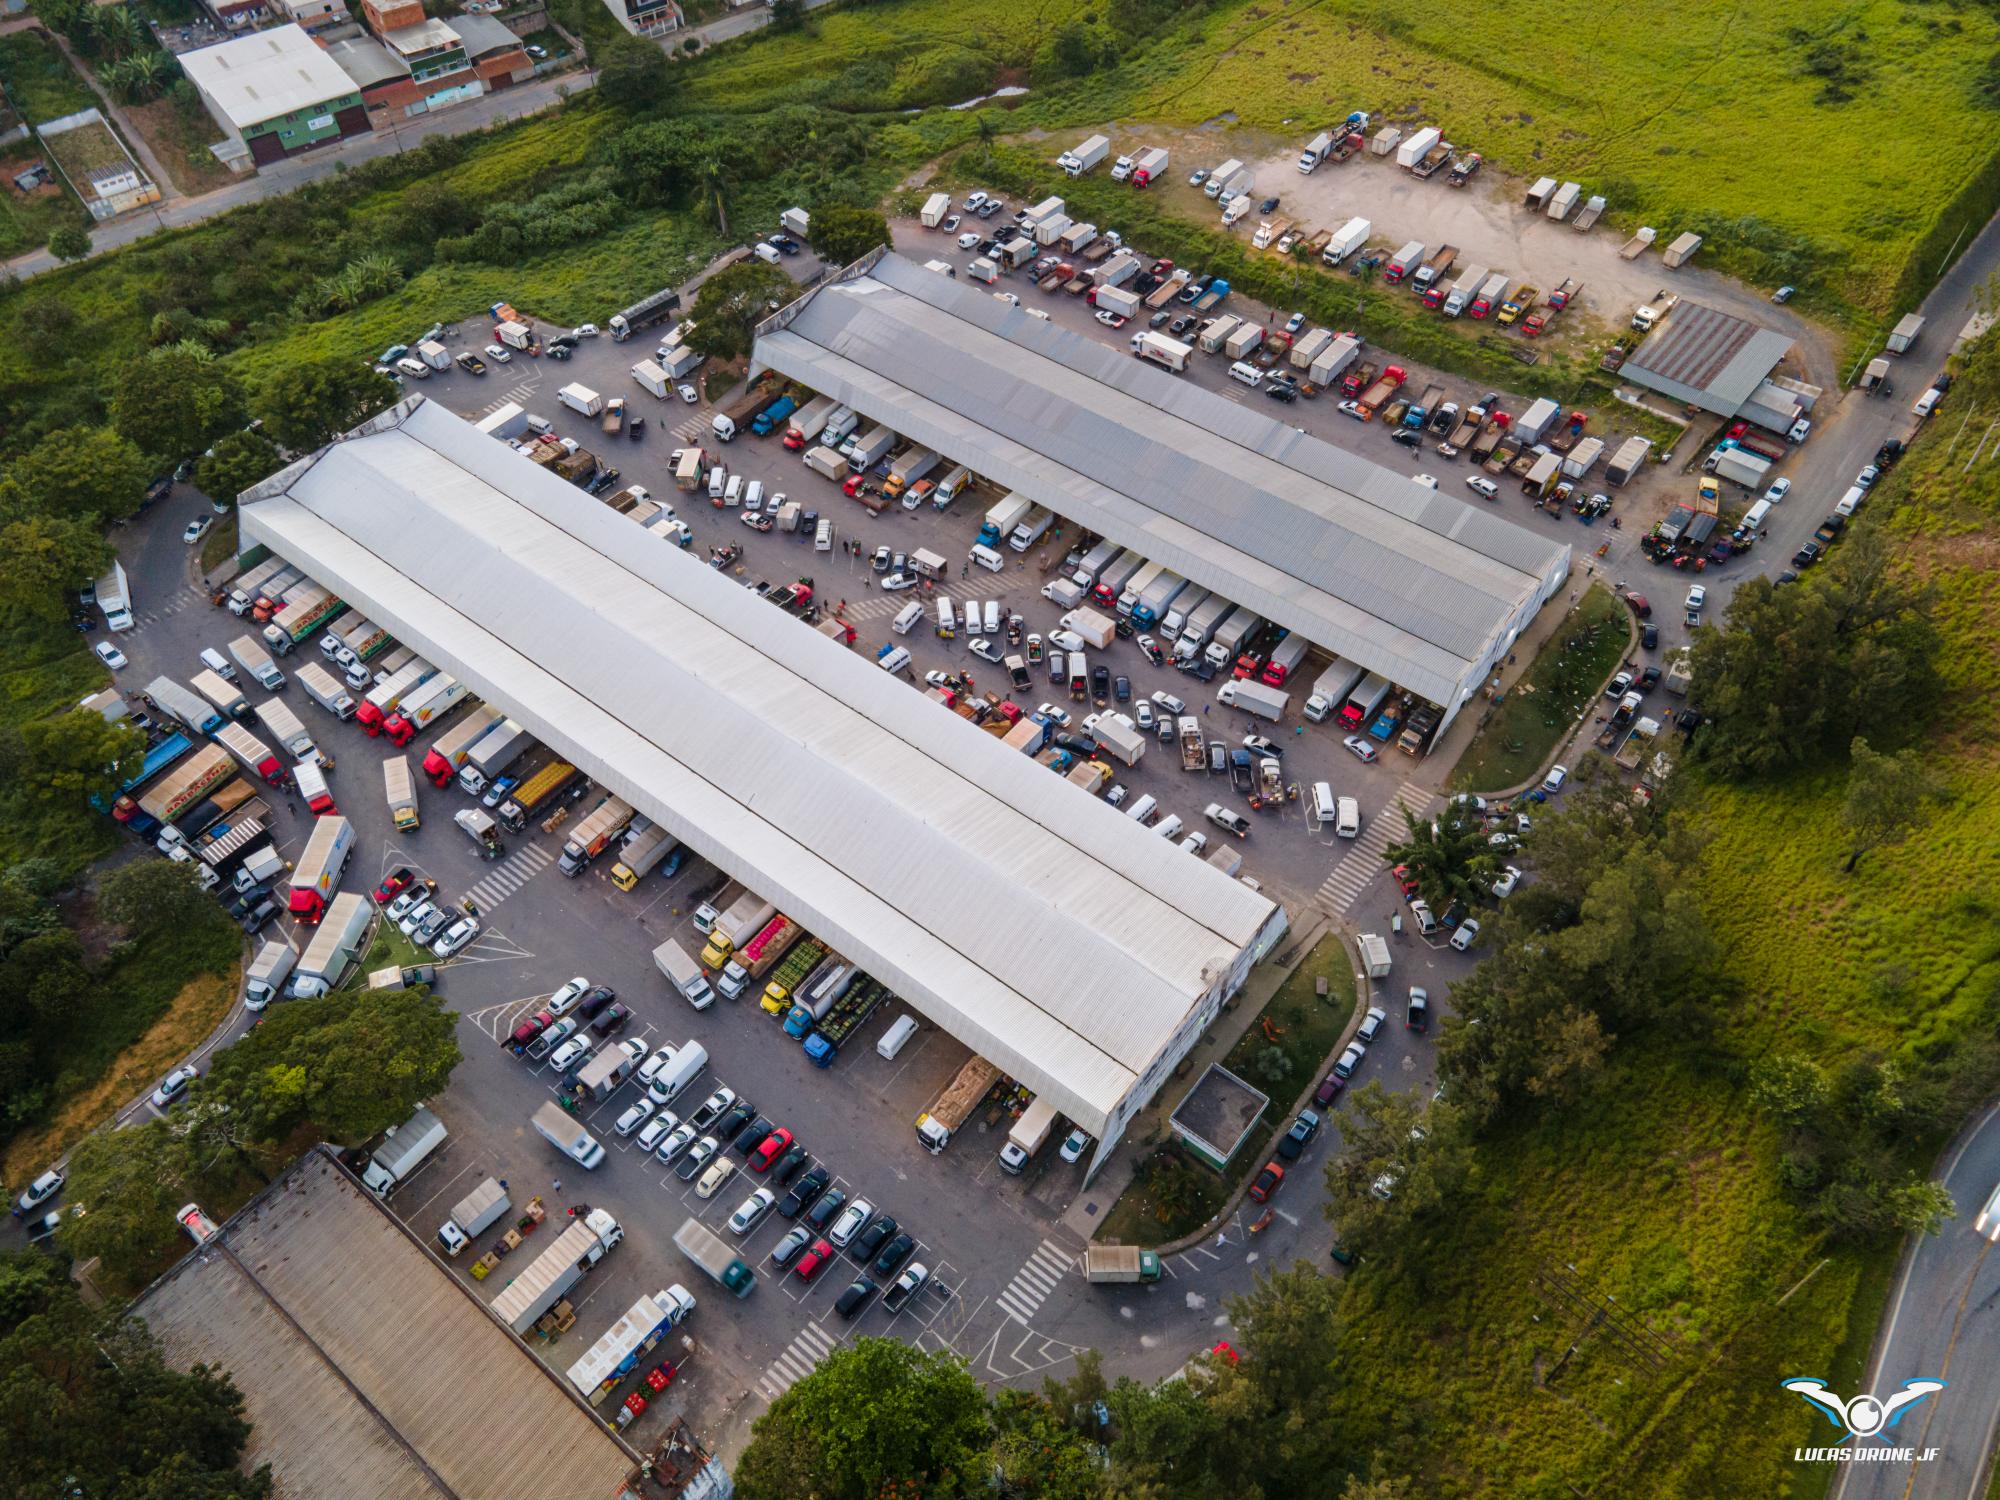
(613, 1018)
(595, 1001)
(1100, 683)
(1406, 439)
(1807, 555)
(870, 1239)
(1295, 1141)
(256, 919)
(894, 1254)
(852, 1300)
(731, 1125)
(755, 1136)
(1269, 205)
(808, 1188)
(1649, 637)
(823, 1212)
(789, 1164)
(1076, 744)
(239, 906)
(1121, 688)
(636, 428)
(1180, 325)
(561, 351)
(1123, 630)
(1649, 679)
(1280, 392)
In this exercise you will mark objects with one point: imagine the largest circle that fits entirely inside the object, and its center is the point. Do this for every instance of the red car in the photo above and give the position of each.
(1323, 1095)
(393, 884)
(531, 1028)
(776, 1144)
(1405, 881)
(1640, 606)
(809, 1263)
(1268, 1182)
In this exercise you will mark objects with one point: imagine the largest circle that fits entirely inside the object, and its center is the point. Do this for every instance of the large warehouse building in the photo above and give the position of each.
(1389, 574)
(1032, 922)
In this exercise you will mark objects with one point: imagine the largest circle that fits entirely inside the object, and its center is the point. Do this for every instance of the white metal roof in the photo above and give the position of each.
(1369, 564)
(266, 74)
(1036, 924)
(1707, 358)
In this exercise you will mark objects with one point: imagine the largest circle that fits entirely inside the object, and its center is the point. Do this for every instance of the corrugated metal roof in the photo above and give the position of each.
(1026, 917)
(1706, 357)
(1361, 560)
(266, 74)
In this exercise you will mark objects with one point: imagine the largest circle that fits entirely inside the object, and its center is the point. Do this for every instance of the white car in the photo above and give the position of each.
(985, 650)
(110, 655)
(1697, 597)
(967, 240)
(636, 1114)
(950, 225)
(712, 1108)
(1074, 1145)
(498, 354)
(1553, 782)
(1054, 714)
(570, 1053)
(972, 202)
(455, 937)
(1109, 318)
(1353, 409)
(400, 907)
(173, 1088)
(1504, 883)
(676, 1143)
(1142, 713)
(1195, 842)
(1778, 490)
(41, 1190)
(1359, 747)
(1066, 640)
(197, 529)
(584, 331)
(656, 1128)
(848, 1225)
(1482, 485)
(416, 916)
(751, 1210)
(1428, 480)
(719, 1172)
(687, 394)
(565, 998)
(895, 583)
(937, 679)
(1169, 702)
(1466, 935)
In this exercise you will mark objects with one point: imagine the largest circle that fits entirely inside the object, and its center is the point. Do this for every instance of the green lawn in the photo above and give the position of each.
(1561, 684)
(1180, 1195)
(39, 78)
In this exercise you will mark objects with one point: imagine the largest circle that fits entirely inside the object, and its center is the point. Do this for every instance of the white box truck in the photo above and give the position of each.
(474, 1214)
(686, 976)
(565, 1132)
(1082, 158)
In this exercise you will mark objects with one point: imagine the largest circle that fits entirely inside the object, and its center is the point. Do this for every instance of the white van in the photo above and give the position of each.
(1754, 516)
(1348, 823)
(1325, 806)
(217, 663)
(823, 538)
(732, 493)
(893, 660)
(894, 1038)
(718, 481)
(671, 1081)
(765, 253)
(1927, 402)
(907, 617)
(1851, 501)
(1169, 826)
(753, 495)
(988, 559)
(947, 622)
(1246, 372)
(1143, 809)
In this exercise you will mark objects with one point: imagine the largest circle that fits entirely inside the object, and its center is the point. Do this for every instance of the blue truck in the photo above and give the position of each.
(847, 1016)
(1211, 296)
(772, 415)
(158, 758)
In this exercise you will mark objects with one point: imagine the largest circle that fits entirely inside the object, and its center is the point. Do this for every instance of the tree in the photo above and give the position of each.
(1452, 858)
(240, 460)
(712, 171)
(42, 560)
(1037, 1454)
(1399, 1161)
(92, 1409)
(70, 244)
(307, 406)
(842, 233)
(875, 1418)
(731, 303)
(787, 15)
(633, 74)
(1887, 797)
(348, 1065)
(177, 400)
(79, 754)
(150, 896)
(85, 474)
(133, 1180)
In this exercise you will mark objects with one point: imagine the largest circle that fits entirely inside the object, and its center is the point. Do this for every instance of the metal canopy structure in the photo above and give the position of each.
(1364, 562)
(1706, 358)
(1030, 920)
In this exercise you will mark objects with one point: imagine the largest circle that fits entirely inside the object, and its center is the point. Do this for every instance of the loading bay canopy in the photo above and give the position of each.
(1031, 921)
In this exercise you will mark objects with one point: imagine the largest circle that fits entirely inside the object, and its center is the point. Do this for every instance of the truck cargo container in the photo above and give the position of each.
(403, 1149)
(1317, 150)
(1002, 517)
(312, 788)
(1080, 159)
(1117, 574)
(1106, 1265)
(1117, 302)
(1333, 361)
(1174, 618)
(723, 1265)
(183, 785)
(1077, 237)
(552, 1273)
(754, 958)
(1363, 701)
(1254, 697)
(581, 399)
(1579, 460)
(450, 751)
(936, 207)
(188, 707)
(1170, 353)
(1902, 338)
(1149, 166)
(1331, 689)
(423, 706)
(1112, 275)
(1199, 626)
(1284, 659)
(1220, 177)
(1123, 741)
(321, 687)
(1050, 231)
(1245, 338)
(284, 725)
(334, 946)
(264, 980)
(1029, 1134)
(317, 874)
(599, 827)
(566, 1133)
(1415, 147)
(402, 792)
(1156, 599)
(387, 694)
(223, 695)
(1681, 251)
(1215, 335)
(1489, 296)
(773, 416)
(809, 421)
(474, 1214)
(1463, 290)
(641, 855)
(1308, 347)
(255, 756)
(955, 1104)
(907, 468)
(1236, 628)
(1404, 262)
(870, 449)
(1347, 239)
(1628, 460)
(1136, 587)
(1562, 202)
(159, 756)
(255, 660)
(826, 463)
(653, 380)
(243, 592)
(1533, 424)
(606, 1364)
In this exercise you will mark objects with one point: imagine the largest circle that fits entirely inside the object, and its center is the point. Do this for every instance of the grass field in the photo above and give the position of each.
(1560, 685)
(39, 78)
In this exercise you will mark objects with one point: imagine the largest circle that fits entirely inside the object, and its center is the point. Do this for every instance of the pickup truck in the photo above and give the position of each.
(1463, 168)
(1061, 272)
(1434, 158)
(1556, 301)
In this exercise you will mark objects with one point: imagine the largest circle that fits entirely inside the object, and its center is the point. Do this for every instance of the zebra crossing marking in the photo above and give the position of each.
(811, 1346)
(1339, 891)
(1032, 1284)
(513, 872)
(878, 607)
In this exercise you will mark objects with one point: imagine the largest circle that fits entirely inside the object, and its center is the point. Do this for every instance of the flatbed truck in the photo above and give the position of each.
(954, 1106)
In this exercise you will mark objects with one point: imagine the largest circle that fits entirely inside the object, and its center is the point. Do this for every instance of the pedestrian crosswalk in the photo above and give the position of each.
(1032, 1284)
(811, 1346)
(876, 607)
(1364, 859)
(689, 430)
(507, 877)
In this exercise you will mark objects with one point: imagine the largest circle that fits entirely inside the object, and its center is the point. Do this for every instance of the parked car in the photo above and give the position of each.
(1295, 1140)
(1268, 1182)
(173, 1088)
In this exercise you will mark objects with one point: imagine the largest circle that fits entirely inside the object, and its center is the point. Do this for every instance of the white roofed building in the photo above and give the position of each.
(277, 92)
